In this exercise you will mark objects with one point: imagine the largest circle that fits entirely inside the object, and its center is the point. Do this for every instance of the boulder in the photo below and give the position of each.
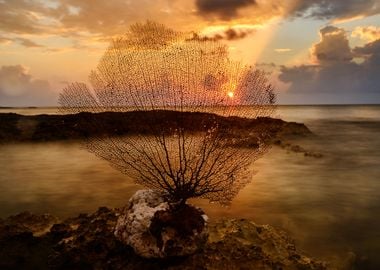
(155, 228)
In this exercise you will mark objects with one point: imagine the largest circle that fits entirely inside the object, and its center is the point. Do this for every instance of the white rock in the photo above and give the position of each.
(167, 238)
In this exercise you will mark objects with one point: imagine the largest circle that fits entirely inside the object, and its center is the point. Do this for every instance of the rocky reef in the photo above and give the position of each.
(88, 241)
(39, 128)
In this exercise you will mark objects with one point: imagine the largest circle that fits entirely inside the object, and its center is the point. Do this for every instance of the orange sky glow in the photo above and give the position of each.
(45, 44)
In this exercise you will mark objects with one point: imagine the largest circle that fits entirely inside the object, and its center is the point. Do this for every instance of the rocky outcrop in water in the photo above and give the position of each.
(35, 128)
(88, 242)
(295, 148)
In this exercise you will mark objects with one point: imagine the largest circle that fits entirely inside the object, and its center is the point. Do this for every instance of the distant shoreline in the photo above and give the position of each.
(279, 105)
(44, 127)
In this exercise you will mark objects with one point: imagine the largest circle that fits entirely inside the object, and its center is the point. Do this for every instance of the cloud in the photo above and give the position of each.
(368, 33)
(233, 34)
(19, 88)
(22, 41)
(335, 9)
(333, 47)
(77, 18)
(283, 50)
(225, 33)
(21, 17)
(335, 77)
(371, 50)
(73, 18)
(301, 75)
(4, 40)
(28, 43)
(225, 9)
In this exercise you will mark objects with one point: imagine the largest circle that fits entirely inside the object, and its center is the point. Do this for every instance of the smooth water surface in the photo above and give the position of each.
(329, 205)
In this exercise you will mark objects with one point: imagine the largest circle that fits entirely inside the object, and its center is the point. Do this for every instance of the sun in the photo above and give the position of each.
(230, 94)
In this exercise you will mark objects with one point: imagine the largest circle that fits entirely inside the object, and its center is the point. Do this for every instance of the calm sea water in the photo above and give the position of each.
(329, 205)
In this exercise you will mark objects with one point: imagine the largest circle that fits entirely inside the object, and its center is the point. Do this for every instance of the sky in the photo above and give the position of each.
(316, 51)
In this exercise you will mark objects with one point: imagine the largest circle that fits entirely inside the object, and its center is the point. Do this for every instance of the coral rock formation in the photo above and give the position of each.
(158, 229)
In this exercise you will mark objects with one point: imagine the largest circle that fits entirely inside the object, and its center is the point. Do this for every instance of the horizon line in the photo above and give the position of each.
(311, 104)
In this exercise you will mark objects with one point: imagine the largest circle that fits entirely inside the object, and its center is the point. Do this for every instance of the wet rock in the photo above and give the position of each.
(233, 243)
(313, 154)
(297, 149)
(88, 242)
(158, 229)
(36, 224)
(21, 243)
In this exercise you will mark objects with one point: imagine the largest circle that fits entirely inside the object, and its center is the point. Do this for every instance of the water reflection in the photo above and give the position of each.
(59, 178)
(328, 205)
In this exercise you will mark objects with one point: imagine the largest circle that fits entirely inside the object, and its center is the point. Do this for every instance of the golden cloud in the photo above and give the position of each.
(367, 33)
(283, 50)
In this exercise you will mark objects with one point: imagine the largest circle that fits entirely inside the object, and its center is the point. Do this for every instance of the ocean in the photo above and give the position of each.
(329, 205)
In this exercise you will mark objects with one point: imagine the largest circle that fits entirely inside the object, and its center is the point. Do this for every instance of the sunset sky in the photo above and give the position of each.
(318, 52)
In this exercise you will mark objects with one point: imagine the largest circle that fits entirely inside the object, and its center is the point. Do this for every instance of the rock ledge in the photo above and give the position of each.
(88, 242)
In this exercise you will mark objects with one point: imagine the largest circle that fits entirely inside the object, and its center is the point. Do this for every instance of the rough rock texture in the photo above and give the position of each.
(22, 241)
(255, 247)
(26, 221)
(88, 242)
(156, 229)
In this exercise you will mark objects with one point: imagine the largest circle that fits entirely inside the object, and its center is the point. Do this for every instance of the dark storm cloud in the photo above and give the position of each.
(224, 9)
(317, 9)
(336, 78)
(371, 49)
(301, 74)
(232, 34)
(336, 9)
(19, 88)
(229, 34)
(371, 66)
(69, 18)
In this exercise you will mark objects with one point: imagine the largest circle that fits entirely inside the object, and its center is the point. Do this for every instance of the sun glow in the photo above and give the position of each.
(230, 94)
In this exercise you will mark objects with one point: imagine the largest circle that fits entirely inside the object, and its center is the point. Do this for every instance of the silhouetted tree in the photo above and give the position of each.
(155, 68)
